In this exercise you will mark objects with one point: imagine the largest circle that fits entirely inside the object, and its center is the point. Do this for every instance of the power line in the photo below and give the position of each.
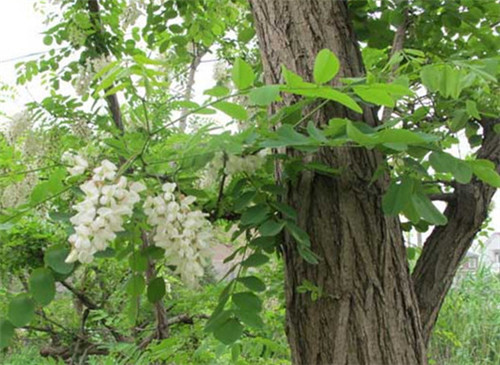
(25, 56)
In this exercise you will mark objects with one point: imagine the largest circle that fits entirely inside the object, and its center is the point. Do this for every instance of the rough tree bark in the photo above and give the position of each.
(369, 312)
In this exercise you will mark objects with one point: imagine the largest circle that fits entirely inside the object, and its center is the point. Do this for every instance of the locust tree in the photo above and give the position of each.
(349, 116)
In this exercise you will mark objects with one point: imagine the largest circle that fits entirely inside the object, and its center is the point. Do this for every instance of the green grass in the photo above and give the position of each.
(468, 328)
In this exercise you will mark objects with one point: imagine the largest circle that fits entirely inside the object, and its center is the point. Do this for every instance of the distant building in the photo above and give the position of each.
(490, 254)
(487, 255)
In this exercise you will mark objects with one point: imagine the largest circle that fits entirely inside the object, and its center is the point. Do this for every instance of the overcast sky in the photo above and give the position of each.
(20, 35)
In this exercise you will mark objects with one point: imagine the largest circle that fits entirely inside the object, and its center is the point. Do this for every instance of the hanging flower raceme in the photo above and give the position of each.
(109, 201)
(77, 162)
(185, 234)
(248, 164)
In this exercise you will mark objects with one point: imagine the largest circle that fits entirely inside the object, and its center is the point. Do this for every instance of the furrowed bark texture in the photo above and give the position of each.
(367, 313)
(447, 245)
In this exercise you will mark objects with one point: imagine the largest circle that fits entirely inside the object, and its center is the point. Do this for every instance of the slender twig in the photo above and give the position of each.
(28, 171)
(80, 295)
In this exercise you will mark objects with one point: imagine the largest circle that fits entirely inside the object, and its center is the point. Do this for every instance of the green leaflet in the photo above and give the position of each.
(264, 95)
(253, 283)
(55, 257)
(42, 286)
(21, 310)
(254, 260)
(6, 333)
(326, 66)
(271, 228)
(397, 197)
(444, 162)
(247, 301)
(374, 96)
(233, 110)
(427, 210)
(135, 285)
(242, 74)
(156, 289)
(229, 331)
(485, 171)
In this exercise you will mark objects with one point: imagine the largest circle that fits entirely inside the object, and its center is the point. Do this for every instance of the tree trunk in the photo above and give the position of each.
(367, 313)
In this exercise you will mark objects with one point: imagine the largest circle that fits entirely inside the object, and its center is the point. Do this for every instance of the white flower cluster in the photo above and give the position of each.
(76, 36)
(132, 12)
(78, 164)
(33, 145)
(86, 74)
(108, 202)
(185, 234)
(80, 128)
(234, 165)
(18, 125)
(17, 193)
(248, 164)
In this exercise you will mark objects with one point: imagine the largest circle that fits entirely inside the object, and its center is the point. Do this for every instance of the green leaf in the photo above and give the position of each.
(391, 135)
(156, 289)
(217, 91)
(303, 242)
(135, 285)
(233, 110)
(471, 107)
(286, 210)
(242, 74)
(247, 301)
(359, 137)
(292, 79)
(264, 95)
(397, 197)
(316, 133)
(253, 283)
(450, 82)
(244, 200)
(254, 260)
(326, 66)
(485, 171)
(427, 210)
(246, 34)
(21, 310)
(42, 286)
(6, 333)
(229, 331)
(298, 233)
(443, 162)
(254, 215)
(218, 317)
(286, 135)
(375, 96)
(250, 318)
(138, 262)
(271, 228)
(324, 92)
(47, 40)
(55, 257)
(430, 77)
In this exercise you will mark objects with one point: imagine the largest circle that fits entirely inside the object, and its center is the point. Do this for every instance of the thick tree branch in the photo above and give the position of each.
(397, 46)
(188, 94)
(100, 47)
(447, 245)
(445, 197)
